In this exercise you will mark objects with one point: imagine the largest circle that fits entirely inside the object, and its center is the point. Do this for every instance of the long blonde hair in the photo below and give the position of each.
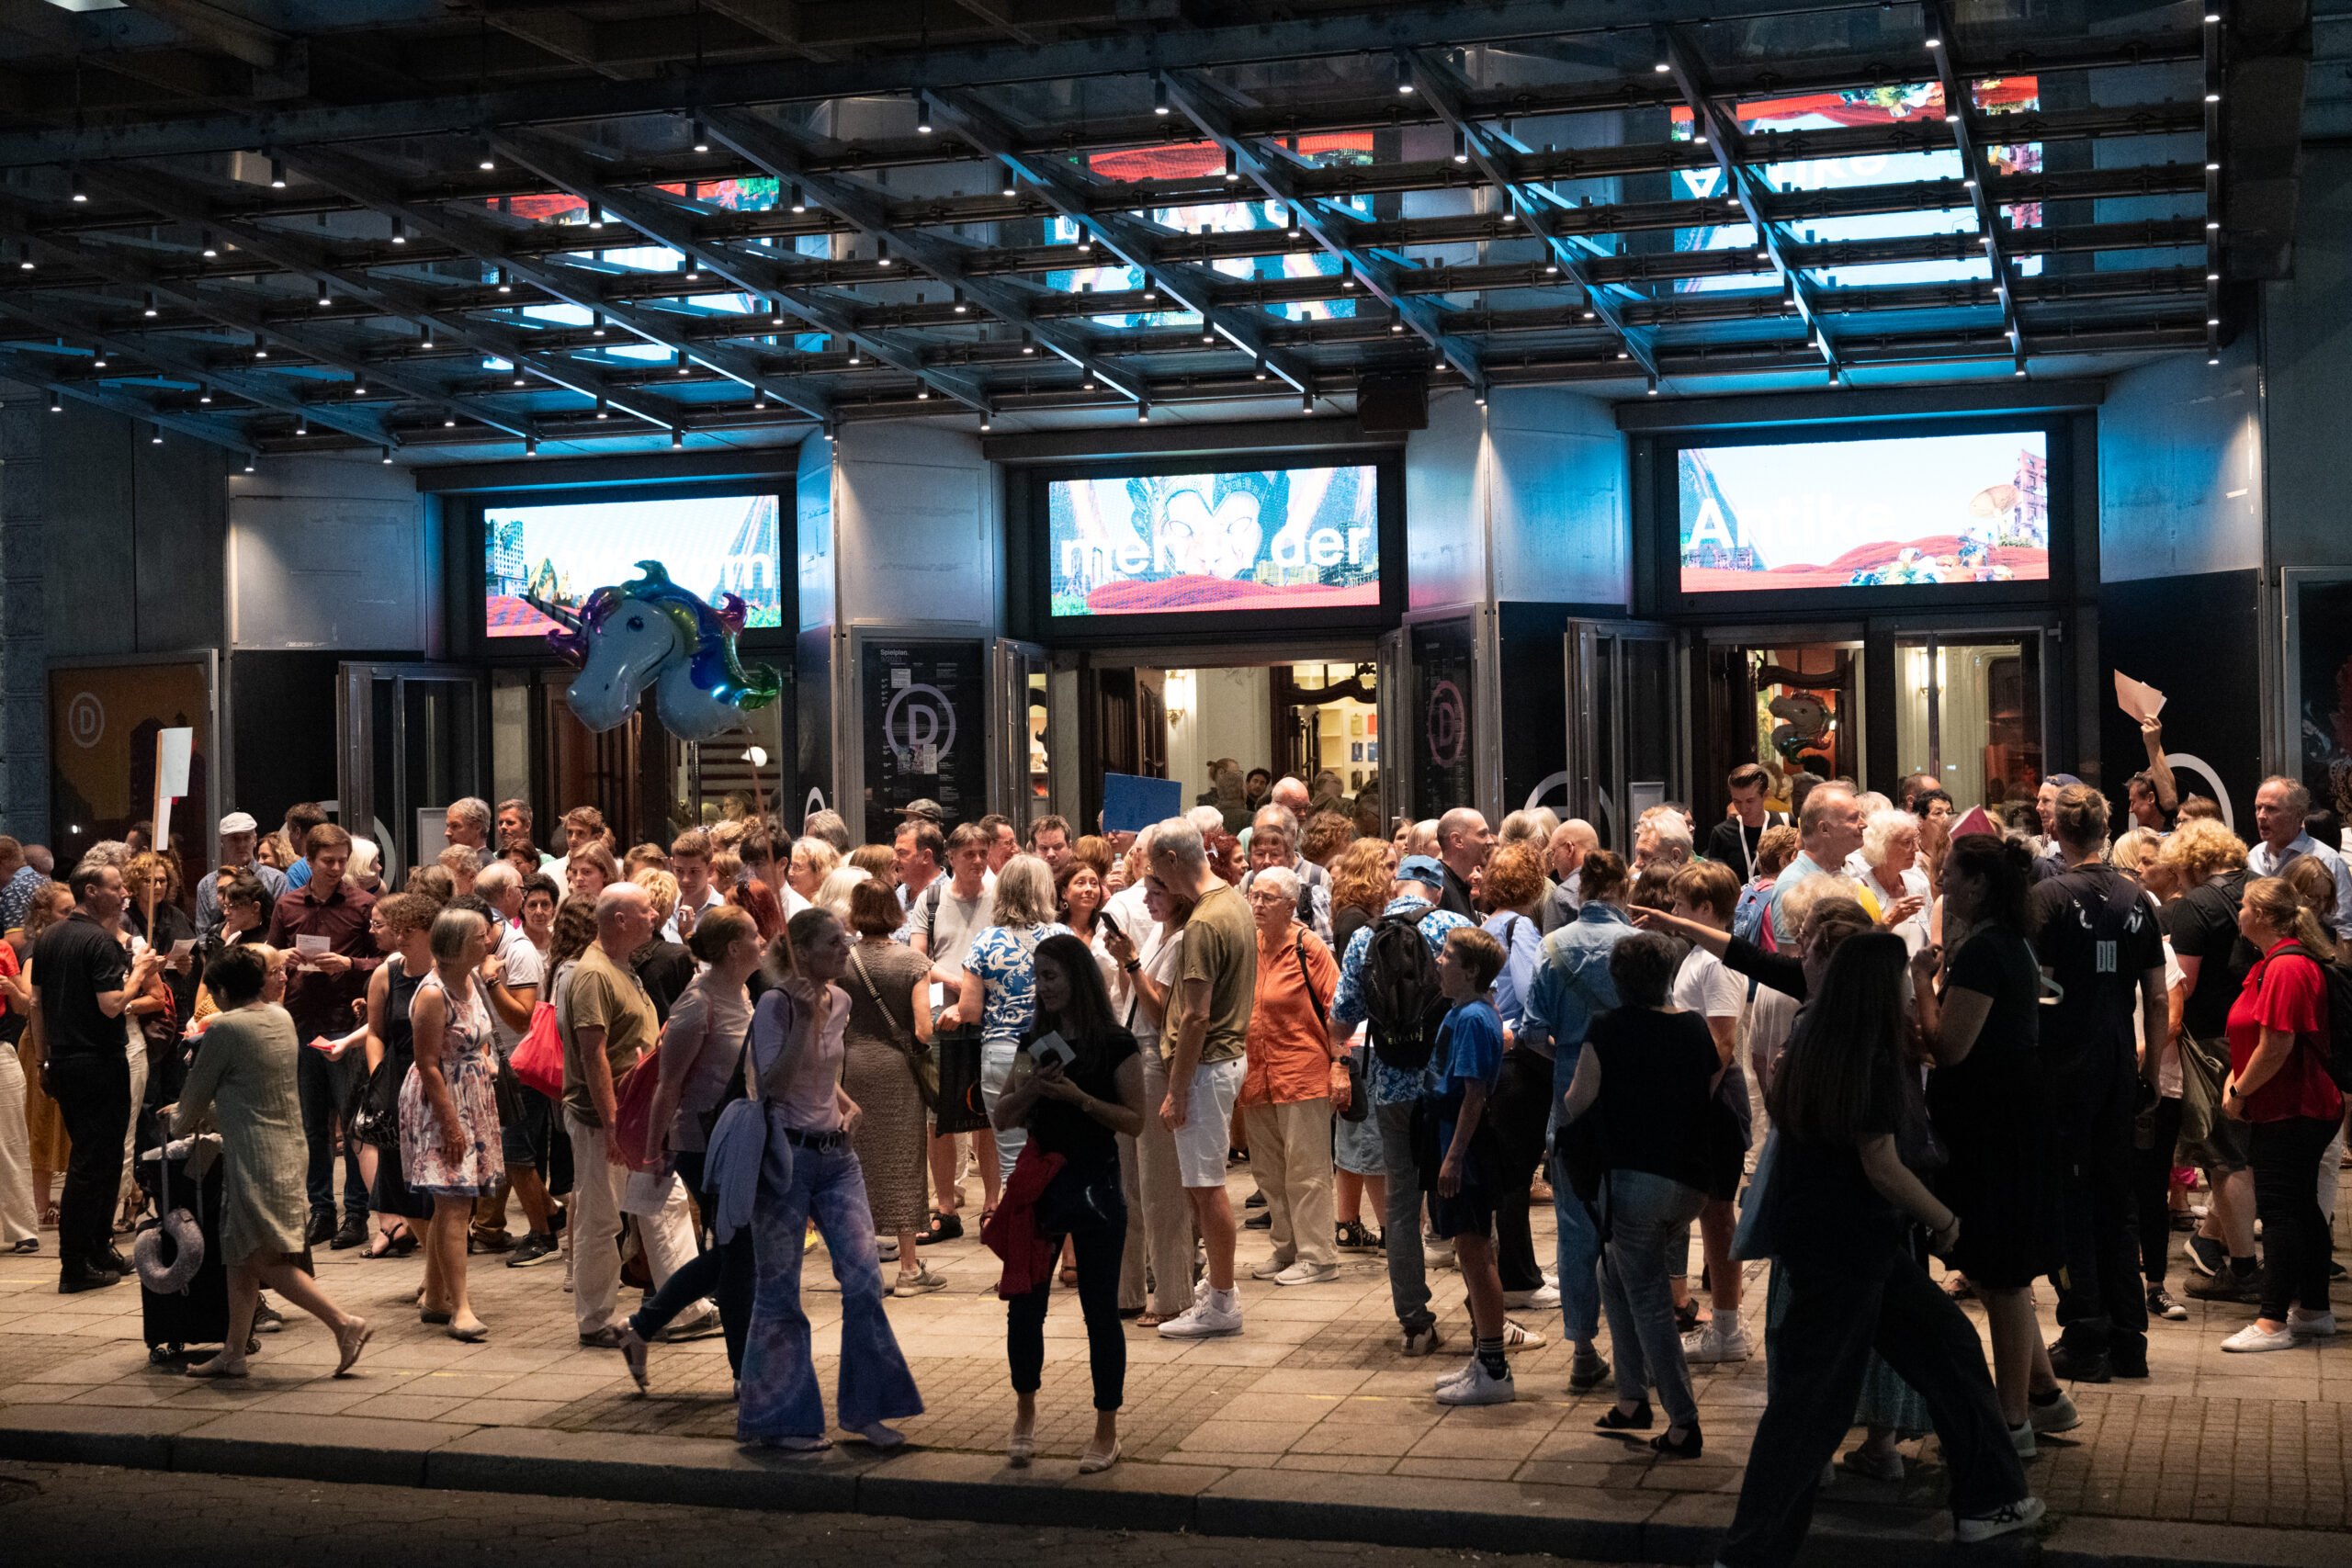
(2275, 900)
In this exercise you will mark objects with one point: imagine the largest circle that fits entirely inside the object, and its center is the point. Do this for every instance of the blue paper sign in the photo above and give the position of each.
(1131, 802)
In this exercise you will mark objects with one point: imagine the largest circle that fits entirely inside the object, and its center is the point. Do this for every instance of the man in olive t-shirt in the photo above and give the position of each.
(609, 1024)
(1206, 1033)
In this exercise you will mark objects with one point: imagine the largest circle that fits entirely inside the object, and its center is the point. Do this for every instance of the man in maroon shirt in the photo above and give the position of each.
(319, 988)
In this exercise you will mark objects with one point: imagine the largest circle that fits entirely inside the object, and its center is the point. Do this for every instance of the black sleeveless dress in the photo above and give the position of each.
(390, 1193)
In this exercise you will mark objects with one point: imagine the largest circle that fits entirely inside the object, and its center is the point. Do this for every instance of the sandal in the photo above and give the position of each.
(942, 1227)
(398, 1242)
(49, 1218)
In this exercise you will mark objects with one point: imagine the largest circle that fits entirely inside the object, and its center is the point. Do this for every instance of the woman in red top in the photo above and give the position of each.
(2279, 1084)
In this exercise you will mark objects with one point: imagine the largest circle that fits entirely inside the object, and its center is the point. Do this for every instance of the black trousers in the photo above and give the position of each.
(2295, 1246)
(92, 1095)
(2152, 1189)
(324, 1089)
(1835, 1317)
(1099, 1247)
(2102, 1305)
(1518, 1112)
(725, 1272)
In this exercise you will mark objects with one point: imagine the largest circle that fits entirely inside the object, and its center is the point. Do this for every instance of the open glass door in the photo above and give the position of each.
(1627, 730)
(411, 741)
(1021, 781)
(1389, 724)
(1968, 712)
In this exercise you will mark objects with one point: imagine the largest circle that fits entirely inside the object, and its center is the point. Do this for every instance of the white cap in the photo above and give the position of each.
(239, 822)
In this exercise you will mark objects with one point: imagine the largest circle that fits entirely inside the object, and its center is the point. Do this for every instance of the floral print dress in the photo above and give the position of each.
(472, 1075)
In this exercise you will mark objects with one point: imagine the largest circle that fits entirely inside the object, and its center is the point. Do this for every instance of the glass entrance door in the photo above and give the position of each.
(1626, 726)
(1968, 711)
(1793, 704)
(410, 743)
(1020, 771)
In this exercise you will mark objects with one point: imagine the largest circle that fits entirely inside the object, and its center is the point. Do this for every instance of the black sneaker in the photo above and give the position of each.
(1260, 1220)
(109, 1260)
(2161, 1305)
(267, 1319)
(352, 1232)
(2069, 1364)
(1352, 1238)
(533, 1248)
(82, 1277)
(2205, 1255)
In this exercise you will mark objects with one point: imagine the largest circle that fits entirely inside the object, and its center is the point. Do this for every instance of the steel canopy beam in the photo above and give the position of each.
(1960, 113)
(479, 239)
(1438, 89)
(1126, 237)
(1719, 129)
(18, 365)
(782, 154)
(1273, 175)
(753, 273)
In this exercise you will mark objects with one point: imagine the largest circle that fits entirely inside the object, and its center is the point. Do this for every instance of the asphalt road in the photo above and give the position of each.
(59, 1515)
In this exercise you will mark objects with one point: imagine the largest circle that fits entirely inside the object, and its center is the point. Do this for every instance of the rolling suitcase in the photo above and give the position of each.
(197, 1312)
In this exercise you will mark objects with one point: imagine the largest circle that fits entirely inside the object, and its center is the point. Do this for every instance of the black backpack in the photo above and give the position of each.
(2337, 1036)
(1403, 1006)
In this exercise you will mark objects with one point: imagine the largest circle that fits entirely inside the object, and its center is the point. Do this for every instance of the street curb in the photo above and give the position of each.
(1205, 1499)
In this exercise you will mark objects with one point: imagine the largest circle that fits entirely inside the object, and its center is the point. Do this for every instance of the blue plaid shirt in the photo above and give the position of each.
(1390, 1086)
(1572, 985)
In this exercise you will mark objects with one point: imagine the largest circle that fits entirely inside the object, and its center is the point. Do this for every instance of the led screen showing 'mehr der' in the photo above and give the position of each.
(1865, 513)
(710, 546)
(1286, 537)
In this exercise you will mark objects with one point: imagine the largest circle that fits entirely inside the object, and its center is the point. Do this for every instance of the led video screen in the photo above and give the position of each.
(1894, 512)
(1289, 539)
(710, 546)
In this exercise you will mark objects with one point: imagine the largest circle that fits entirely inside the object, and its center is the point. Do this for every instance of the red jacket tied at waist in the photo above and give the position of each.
(1012, 1231)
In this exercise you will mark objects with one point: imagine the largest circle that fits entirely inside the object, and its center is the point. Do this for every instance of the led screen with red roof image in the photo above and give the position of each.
(1902, 511)
(1245, 541)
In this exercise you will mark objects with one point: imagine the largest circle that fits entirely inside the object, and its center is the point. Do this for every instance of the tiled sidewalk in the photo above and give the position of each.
(1313, 1384)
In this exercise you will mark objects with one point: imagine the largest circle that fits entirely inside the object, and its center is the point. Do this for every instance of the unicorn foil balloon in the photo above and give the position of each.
(649, 632)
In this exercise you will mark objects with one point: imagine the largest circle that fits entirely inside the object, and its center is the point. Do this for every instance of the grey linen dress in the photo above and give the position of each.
(891, 1140)
(245, 1075)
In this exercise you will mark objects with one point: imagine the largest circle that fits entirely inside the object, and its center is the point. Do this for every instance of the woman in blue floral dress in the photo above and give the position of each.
(449, 1143)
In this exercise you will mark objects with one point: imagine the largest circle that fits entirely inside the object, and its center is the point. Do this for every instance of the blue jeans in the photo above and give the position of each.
(1645, 1211)
(996, 1069)
(779, 1397)
(1409, 1281)
(1577, 1255)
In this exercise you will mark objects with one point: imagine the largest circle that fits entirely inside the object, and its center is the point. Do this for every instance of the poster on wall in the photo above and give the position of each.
(926, 731)
(1255, 541)
(1443, 763)
(2323, 728)
(1893, 512)
(106, 724)
(711, 546)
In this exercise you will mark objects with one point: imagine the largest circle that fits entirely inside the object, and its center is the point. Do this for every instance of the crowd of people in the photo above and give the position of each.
(1823, 1031)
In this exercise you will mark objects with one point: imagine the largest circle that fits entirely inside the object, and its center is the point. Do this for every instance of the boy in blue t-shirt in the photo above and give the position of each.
(1463, 1066)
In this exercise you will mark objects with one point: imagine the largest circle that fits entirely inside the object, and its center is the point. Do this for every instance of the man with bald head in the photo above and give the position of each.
(1830, 827)
(1570, 842)
(610, 1023)
(1289, 792)
(1463, 842)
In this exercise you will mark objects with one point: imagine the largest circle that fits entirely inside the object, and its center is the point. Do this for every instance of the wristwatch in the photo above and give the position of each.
(1131, 965)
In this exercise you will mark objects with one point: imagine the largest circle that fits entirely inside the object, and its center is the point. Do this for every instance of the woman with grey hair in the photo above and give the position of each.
(1895, 890)
(998, 987)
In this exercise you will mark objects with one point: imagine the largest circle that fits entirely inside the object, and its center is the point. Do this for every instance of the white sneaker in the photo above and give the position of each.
(1217, 1313)
(1517, 1339)
(1703, 1346)
(2058, 1415)
(2021, 1440)
(1542, 1297)
(697, 1322)
(1271, 1269)
(2251, 1337)
(2319, 1325)
(1306, 1274)
(1479, 1388)
(1469, 1365)
(2007, 1519)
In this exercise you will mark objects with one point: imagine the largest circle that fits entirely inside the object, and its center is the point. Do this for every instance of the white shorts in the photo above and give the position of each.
(1206, 1138)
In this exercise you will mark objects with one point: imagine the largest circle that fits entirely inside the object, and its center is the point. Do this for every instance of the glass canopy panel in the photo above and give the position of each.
(1914, 103)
